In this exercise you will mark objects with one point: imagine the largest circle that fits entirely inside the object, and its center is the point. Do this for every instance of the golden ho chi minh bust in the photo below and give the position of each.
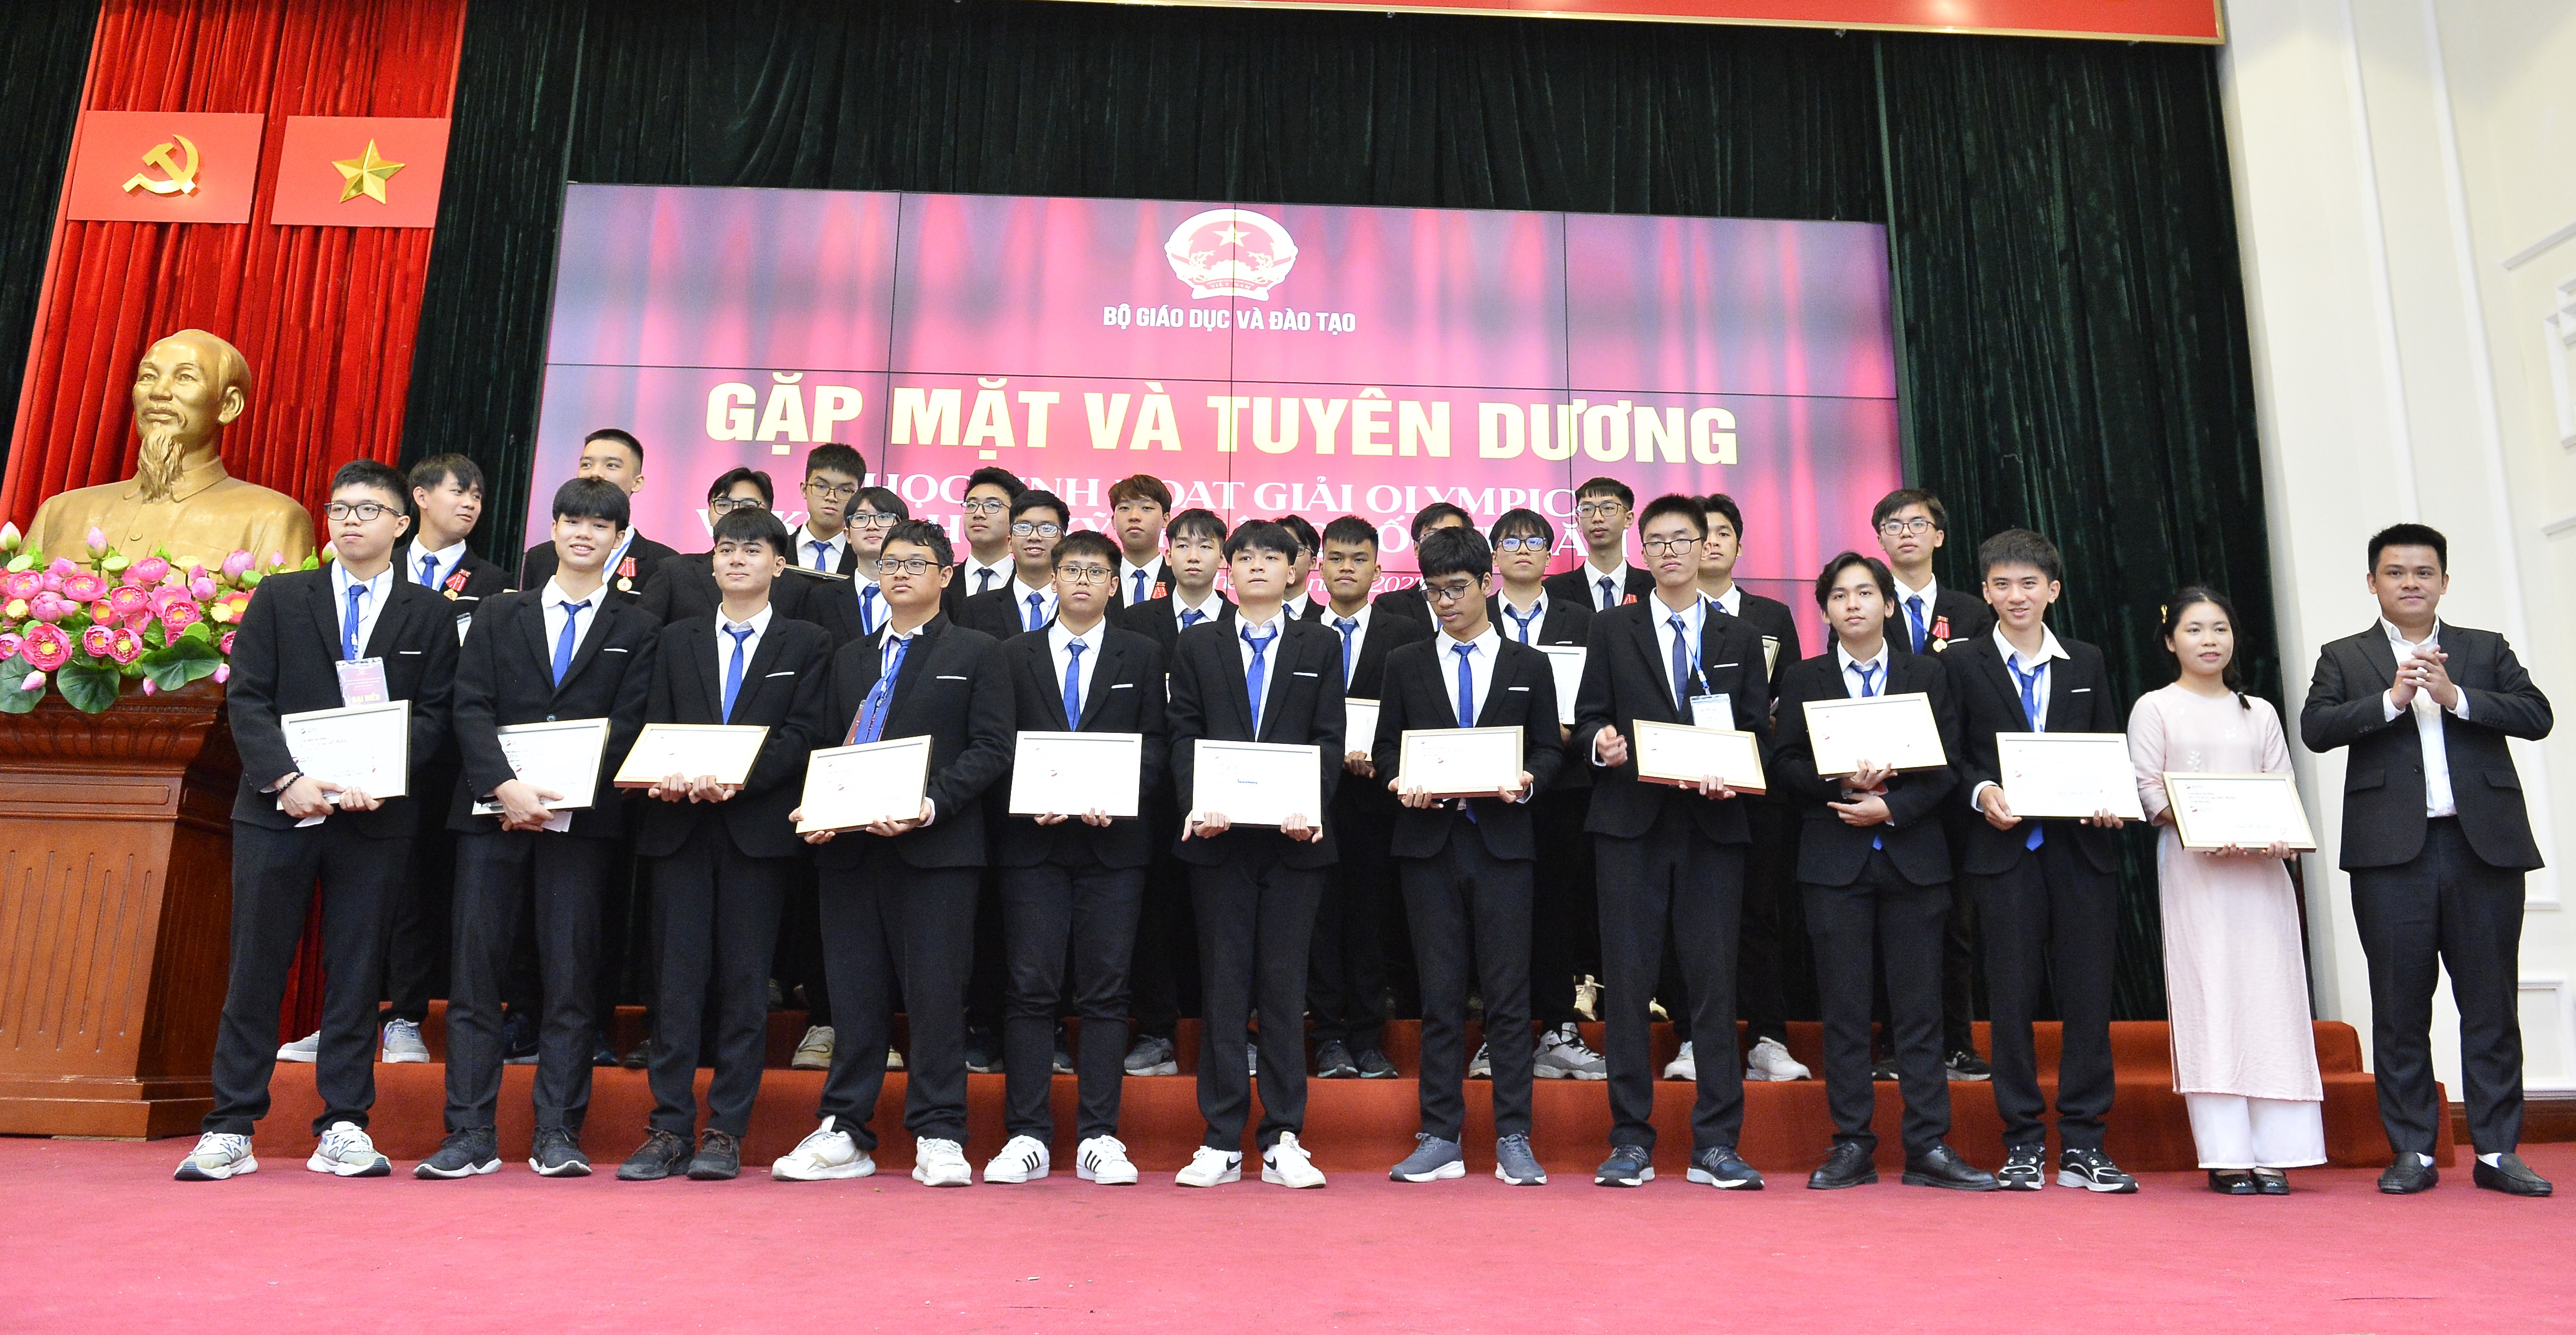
(188, 387)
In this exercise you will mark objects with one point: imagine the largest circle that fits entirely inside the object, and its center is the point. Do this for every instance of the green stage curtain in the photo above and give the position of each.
(2072, 336)
(44, 57)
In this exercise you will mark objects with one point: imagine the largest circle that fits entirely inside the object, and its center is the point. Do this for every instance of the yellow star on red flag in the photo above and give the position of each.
(366, 174)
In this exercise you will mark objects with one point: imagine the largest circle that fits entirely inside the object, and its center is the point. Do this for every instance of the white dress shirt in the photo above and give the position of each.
(1694, 624)
(371, 604)
(558, 605)
(1359, 635)
(833, 546)
(1276, 628)
(872, 603)
(1930, 593)
(1730, 602)
(725, 626)
(1209, 610)
(885, 656)
(1057, 639)
(2438, 798)
(1295, 608)
(972, 575)
(1592, 577)
(1020, 603)
(2049, 650)
(1851, 683)
(1481, 652)
(444, 562)
(1127, 578)
(1511, 623)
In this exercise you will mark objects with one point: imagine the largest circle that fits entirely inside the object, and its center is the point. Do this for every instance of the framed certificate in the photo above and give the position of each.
(1567, 660)
(1896, 731)
(1257, 783)
(1460, 762)
(366, 747)
(850, 786)
(2074, 774)
(561, 757)
(2247, 810)
(664, 749)
(1359, 726)
(1676, 754)
(1069, 773)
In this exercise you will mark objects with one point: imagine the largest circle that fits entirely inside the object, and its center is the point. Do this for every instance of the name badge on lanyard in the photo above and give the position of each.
(362, 681)
(1713, 711)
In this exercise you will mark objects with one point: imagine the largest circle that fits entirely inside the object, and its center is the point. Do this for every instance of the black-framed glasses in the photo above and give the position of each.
(910, 565)
(1532, 544)
(827, 491)
(872, 519)
(1601, 509)
(365, 512)
(1918, 526)
(1669, 544)
(728, 504)
(1448, 593)
(1085, 574)
(1025, 529)
(988, 506)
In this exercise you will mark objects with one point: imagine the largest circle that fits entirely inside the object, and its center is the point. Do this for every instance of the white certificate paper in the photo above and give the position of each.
(561, 757)
(1359, 726)
(366, 747)
(850, 786)
(1672, 753)
(2048, 774)
(1896, 731)
(1069, 773)
(664, 749)
(1567, 661)
(1460, 762)
(2247, 810)
(1257, 783)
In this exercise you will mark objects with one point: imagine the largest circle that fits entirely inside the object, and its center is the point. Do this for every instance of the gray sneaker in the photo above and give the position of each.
(1152, 1055)
(1719, 1166)
(469, 1153)
(1432, 1160)
(1563, 1056)
(557, 1154)
(1515, 1164)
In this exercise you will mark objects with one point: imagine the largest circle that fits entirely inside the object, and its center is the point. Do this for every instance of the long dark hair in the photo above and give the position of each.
(2181, 601)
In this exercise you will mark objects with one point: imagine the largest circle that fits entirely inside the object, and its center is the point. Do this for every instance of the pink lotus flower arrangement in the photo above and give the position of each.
(87, 623)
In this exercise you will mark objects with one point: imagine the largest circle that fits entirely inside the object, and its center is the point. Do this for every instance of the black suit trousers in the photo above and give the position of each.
(1255, 918)
(274, 873)
(416, 944)
(558, 879)
(1347, 964)
(1881, 923)
(1565, 914)
(895, 931)
(1058, 919)
(2051, 924)
(1471, 923)
(1163, 975)
(1674, 883)
(2445, 909)
(715, 928)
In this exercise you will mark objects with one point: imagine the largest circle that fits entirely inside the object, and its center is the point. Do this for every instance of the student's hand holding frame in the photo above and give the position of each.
(523, 804)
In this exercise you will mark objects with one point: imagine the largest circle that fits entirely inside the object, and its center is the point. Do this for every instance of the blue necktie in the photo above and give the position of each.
(1139, 577)
(1868, 687)
(1252, 676)
(349, 625)
(1681, 663)
(2030, 710)
(570, 637)
(733, 670)
(1914, 613)
(820, 548)
(869, 726)
(868, 609)
(1191, 617)
(1609, 594)
(1347, 627)
(1073, 683)
(428, 572)
(1037, 609)
(1466, 703)
(1523, 621)
(983, 581)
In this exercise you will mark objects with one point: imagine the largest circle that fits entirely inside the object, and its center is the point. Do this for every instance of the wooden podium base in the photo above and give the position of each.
(115, 913)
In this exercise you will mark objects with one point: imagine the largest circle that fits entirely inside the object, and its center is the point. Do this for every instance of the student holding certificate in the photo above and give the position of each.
(352, 632)
(898, 896)
(2045, 889)
(1671, 857)
(1266, 677)
(722, 857)
(1466, 862)
(1874, 870)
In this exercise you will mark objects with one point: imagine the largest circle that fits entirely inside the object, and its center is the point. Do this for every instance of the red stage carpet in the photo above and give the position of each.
(99, 1238)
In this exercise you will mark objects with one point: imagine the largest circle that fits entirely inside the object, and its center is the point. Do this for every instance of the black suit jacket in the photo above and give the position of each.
(1408, 602)
(683, 587)
(952, 600)
(1626, 677)
(1419, 692)
(1157, 621)
(1968, 615)
(2383, 779)
(283, 657)
(1159, 586)
(954, 690)
(626, 580)
(785, 688)
(1126, 695)
(473, 580)
(1576, 585)
(998, 613)
(1368, 667)
(1566, 621)
(1830, 852)
(1302, 706)
(505, 676)
(2079, 700)
(1771, 617)
(834, 605)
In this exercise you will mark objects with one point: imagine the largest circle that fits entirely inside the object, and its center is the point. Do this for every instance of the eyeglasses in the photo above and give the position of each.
(910, 565)
(871, 519)
(1653, 545)
(729, 504)
(1897, 528)
(987, 506)
(1448, 593)
(826, 491)
(1522, 545)
(1085, 574)
(365, 512)
(1601, 510)
(1025, 529)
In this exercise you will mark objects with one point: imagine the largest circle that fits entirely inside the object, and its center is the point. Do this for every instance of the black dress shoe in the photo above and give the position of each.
(662, 1155)
(601, 1054)
(2271, 1182)
(719, 1158)
(1848, 1166)
(2229, 1182)
(2511, 1176)
(2410, 1174)
(1941, 1166)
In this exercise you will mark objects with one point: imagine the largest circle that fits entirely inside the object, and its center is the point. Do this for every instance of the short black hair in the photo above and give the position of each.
(883, 501)
(1719, 503)
(1308, 541)
(1351, 528)
(593, 498)
(1674, 503)
(2411, 535)
(1452, 551)
(723, 486)
(1833, 572)
(838, 458)
(1038, 498)
(923, 533)
(752, 525)
(382, 477)
(2020, 547)
(1080, 541)
(1902, 497)
(1004, 478)
(622, 437)
(1523, 523)
(440, 469)
(1607, 486)
(1261, 535)
(1433, 513)
(1195, 523)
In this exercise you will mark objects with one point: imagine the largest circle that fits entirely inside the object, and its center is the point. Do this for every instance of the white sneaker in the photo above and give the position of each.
(827, 1154)
(402, 1042)
(1210, 1167)
(1288, 1164)
(345, 1151)
(1562, 1055)
(1103, 1159)
(941, 1163)
(1770, 1061)
(1682, 1067)
(814, 1051)
(304, 1049)
(1481, 1066)
(219, 1155)
(1024, 1159)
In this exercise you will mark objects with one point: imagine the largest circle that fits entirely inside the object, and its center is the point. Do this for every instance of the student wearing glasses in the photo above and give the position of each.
(985, 514)
(1407, 602)
(1027, 602)
(1603, 508)
(684, 586)
(833, 476)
